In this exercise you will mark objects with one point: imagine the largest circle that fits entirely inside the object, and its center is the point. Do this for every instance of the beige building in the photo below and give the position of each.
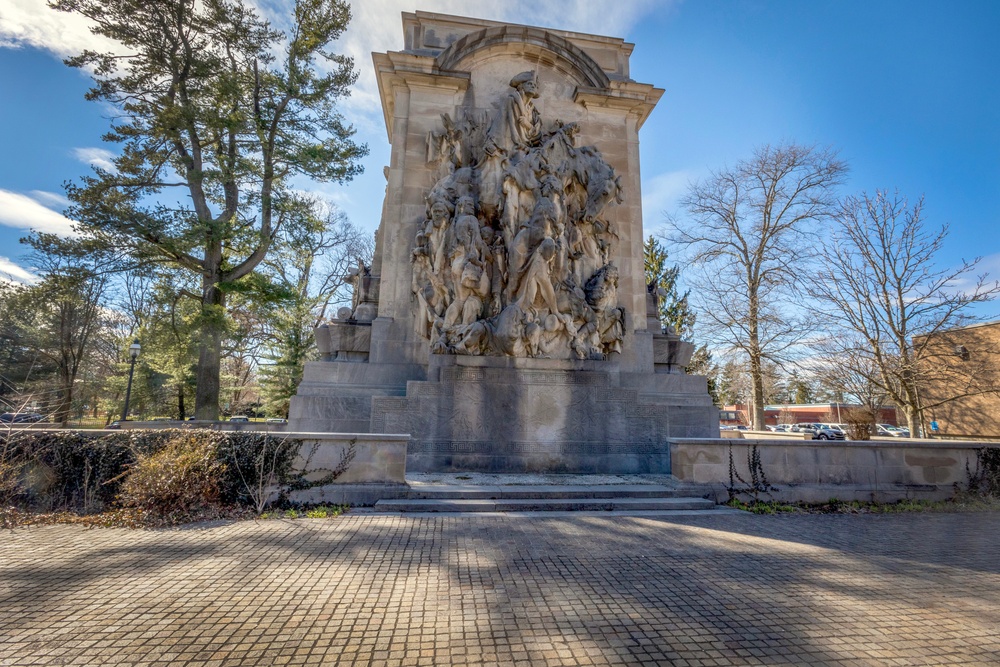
(961, 388)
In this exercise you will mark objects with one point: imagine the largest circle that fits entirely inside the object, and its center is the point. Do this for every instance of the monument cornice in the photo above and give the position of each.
(637, 98)
(396, 68)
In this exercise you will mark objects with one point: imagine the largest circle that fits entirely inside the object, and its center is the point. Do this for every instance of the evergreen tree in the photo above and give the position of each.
(214, 101)
(310, 268)
(674, 309)
(800, 390)
(702, 364)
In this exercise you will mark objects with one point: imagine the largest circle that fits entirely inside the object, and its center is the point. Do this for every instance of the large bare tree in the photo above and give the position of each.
(884, 283)
(748, 231)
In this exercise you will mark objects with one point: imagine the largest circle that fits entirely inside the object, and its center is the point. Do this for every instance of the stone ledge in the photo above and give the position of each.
(815, 470)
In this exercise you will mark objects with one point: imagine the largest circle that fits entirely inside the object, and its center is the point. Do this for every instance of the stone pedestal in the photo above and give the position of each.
(533, 415)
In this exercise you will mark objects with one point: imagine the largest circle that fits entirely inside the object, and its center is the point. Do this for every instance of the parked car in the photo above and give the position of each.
(819, 431)
(891, 431)
(21, 417)
(276, 420)
(239, 418)
(113, 426)
(782, 428)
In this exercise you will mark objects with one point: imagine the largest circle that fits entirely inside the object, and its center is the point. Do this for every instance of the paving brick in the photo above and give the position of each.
(730, 589)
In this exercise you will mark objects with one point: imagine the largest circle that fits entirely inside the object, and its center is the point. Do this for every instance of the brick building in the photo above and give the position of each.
(733, 415)
(960, 388)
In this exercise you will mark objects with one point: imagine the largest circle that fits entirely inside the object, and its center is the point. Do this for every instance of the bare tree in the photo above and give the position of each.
(749, 226)
(311, 265)
(853, 373)
(884, 284)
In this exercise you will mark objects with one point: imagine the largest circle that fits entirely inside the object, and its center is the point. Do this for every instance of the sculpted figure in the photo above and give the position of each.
(518, 122)
(360, 279)
(514, 256)
(541, 225)
(537, 280)
(436, 230)
(520, 185)
(495, 259)
(603, 186)
(602, 295)
(427, 287)
(516, 126)
(559, 147)
(445, 149)
(503, 334)
(458, 184)
(471, 282)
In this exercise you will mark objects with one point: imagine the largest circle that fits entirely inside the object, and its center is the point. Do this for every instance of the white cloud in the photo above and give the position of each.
(989, 265)
(33, 23)
(23, 212)
(375, 26)
(661, 195)
(51, 199)
(97, 157)
(12, 273)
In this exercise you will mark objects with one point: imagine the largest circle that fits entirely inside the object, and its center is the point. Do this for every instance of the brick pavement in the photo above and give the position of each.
(368, 589)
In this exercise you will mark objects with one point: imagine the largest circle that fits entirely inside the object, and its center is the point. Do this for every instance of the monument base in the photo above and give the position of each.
(501, 414)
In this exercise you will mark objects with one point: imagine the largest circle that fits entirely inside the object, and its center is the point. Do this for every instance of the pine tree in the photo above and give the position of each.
(674, 309)
(214, 103)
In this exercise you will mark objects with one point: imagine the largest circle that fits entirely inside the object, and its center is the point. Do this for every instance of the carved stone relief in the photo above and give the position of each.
(513, 258)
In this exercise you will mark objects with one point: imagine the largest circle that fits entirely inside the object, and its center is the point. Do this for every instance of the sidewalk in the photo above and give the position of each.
(369, 589)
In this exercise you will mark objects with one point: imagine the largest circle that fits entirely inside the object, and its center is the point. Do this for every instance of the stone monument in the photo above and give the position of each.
(505, 322)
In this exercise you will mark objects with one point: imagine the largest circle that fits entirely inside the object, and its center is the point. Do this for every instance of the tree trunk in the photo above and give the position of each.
(180, 401)
(913, 421)
(757, 385)
(206, 402)
(61, 415)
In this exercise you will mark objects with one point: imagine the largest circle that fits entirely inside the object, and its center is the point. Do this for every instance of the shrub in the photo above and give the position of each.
(73, 470)
(161, 472)
(182, 477)
(256, 464)
(860, 422)
(985, 479)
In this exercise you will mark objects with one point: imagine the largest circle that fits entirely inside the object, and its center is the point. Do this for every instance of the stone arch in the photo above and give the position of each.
(581, 64)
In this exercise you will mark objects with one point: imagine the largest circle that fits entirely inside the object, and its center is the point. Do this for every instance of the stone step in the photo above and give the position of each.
(541, 504)
(431, 491)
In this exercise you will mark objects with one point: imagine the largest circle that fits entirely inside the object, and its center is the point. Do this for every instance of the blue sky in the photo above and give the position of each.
(908, 92)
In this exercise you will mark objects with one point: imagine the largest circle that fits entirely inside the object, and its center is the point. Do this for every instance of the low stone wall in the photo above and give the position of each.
(374, 466)
(374, 463)
(214, 424)
(816, 471)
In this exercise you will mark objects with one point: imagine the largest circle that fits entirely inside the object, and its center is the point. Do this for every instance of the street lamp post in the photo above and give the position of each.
(133, 351)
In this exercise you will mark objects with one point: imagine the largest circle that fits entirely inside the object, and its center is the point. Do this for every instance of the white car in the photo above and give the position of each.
(891, 431)
(838, 427)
